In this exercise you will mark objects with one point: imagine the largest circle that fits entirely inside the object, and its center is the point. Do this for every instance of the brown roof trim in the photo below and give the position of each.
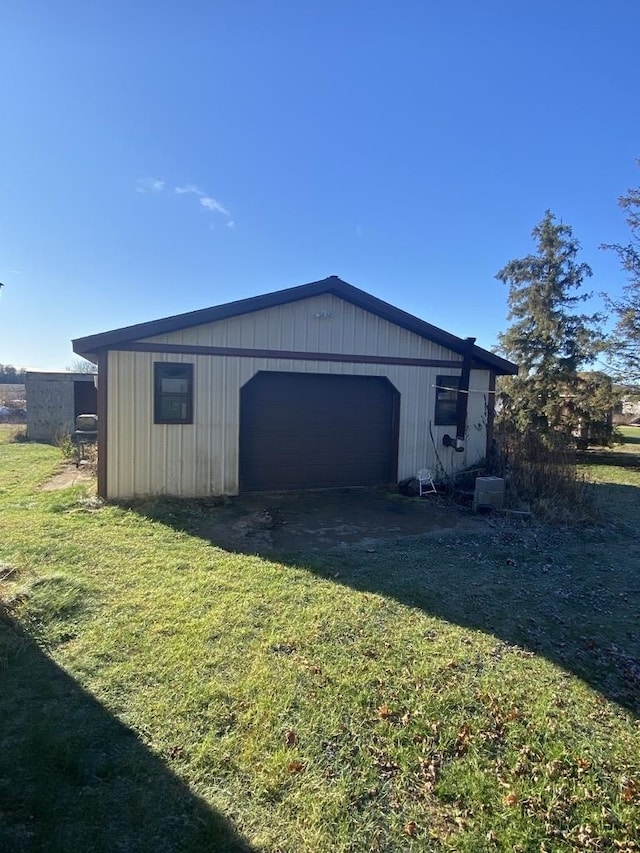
(292, 355)
(89, 346)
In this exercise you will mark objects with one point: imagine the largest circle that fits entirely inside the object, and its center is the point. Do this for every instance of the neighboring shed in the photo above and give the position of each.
(316, 386)
(54, 400)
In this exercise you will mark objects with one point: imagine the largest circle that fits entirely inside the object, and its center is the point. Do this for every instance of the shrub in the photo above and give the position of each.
(64, 443)
(541, 474)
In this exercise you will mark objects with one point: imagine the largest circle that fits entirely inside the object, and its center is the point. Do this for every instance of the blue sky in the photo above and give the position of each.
(160, 157)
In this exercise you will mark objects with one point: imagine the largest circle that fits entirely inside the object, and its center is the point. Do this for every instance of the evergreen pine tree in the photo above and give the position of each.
(623, 345)
(549, 339)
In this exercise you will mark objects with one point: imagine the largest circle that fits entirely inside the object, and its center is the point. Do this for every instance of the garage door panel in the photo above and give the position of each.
(294, 417)
(304, 456)
(289, 477)
(316, 431)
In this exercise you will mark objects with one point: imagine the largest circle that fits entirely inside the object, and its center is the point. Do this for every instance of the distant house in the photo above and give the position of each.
(316, 386)
(627, 409)
(54, 400)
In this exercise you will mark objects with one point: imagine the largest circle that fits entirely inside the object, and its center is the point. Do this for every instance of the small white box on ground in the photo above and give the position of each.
(489, 491)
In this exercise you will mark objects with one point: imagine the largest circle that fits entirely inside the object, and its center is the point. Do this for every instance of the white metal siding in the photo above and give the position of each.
(201, 459)
(317, 324)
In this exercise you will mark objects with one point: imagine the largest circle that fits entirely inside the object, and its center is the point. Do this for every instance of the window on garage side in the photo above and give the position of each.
(173, 393)
(446, 400)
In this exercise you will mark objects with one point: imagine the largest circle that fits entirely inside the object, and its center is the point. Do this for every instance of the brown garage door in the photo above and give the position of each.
(306, 431)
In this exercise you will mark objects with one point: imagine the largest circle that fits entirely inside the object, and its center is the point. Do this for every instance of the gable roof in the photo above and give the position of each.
(90, 346)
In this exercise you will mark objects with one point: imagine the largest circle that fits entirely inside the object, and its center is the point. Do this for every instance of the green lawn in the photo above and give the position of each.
(462, 693)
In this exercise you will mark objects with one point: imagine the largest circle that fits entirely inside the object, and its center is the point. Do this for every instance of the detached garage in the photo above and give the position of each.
(317, 386)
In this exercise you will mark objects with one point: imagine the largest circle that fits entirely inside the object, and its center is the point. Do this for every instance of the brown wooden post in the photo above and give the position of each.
(103, 397)
(491, 411)
(463, 391)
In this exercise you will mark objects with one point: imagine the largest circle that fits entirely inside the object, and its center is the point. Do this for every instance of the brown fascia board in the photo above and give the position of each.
(88, 347)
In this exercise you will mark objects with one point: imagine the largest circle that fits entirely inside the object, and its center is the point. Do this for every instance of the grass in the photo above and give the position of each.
(468, 694)
(617, 473)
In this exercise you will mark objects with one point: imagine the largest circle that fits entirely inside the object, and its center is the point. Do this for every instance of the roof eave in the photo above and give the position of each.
(89, 347)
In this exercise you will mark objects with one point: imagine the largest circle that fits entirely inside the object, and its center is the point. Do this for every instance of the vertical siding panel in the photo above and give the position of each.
(158, 435)
(202, 423)
(217, 437)
(477, 414)
(351, 338)
(214, 435)
(385, 334)
(231, 374)
(315, 332)
(121, 424)
(137, 421)
(113, 482)
(410, 424)
(127, 421)
(338, 329)
(143, 467)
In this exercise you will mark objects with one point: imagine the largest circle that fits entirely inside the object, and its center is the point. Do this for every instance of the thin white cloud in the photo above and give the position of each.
(149, 185)
(189, 188)
(208, 202)
(213, 205)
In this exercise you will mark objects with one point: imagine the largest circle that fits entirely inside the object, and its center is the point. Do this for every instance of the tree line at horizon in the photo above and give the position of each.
(10, 375)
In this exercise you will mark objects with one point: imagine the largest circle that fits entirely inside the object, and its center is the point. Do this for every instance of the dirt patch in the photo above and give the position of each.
(296, 522)
(68, 475)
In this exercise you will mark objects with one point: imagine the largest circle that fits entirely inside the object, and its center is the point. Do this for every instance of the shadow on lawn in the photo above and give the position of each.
(632, 439)
(74, 778)
(571, 596)
(614, 458)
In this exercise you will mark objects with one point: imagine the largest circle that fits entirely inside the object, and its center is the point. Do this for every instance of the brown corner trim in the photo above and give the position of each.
(396, 435)
(103, 397)
(491, 411)
(241, 352)
(463, 391)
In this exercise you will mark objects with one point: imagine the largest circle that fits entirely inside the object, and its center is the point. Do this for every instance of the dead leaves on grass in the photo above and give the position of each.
(430, 770)
(629, 791)
(463, 739)
(552, 791)
(384, 712)
(290, 738)
(411, 828)
(383, 761)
